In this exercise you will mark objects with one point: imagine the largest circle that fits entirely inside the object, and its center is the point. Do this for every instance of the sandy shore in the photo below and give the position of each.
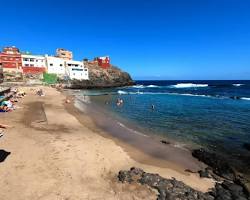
(56, 153)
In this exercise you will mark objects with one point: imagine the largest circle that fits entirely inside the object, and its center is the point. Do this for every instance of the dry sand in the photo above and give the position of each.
(57, 155)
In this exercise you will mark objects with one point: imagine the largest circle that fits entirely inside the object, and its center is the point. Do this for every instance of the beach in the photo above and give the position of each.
(57, 152)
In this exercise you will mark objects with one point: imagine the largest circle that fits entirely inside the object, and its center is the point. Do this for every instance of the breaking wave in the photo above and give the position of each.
(122, 92)
(138, 86)
(152, 86)
(246, 98)
(237, 85)
(188, 85)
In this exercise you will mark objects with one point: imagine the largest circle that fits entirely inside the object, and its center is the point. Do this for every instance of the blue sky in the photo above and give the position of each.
(151, 39)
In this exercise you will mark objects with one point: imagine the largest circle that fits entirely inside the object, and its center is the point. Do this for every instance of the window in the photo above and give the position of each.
(25, 59)
(85, 70)
(69, 65)
(32, 65)
(61, 65)
(32, 60)
(26, 65)
(74, 74)
(36, 60)
(50, 64)
(76, 69)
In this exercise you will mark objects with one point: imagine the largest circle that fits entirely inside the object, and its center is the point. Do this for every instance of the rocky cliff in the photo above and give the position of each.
(102, 78)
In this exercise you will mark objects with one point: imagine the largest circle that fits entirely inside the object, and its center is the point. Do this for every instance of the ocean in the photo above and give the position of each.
(211, 114)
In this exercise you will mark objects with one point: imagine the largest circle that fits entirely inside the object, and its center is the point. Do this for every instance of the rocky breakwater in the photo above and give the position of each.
(102, 78)
(171, 189)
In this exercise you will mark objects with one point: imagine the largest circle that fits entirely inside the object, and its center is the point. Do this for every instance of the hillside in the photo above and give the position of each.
(102, 78)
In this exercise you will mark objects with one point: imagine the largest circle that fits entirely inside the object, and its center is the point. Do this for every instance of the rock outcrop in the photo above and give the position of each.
(170, 189)
(102, 78)
(220, 169)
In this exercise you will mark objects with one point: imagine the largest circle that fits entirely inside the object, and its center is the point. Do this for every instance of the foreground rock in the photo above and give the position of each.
(219, 168)
(246, 146)
(167, 188)
(102, 78)
(171, 189)
(218, 164)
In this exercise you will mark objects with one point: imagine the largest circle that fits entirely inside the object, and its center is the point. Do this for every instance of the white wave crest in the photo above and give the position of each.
(238, 84)
(245, 98)
(188, 85)
(152, 86)
(121, 92)
(138, 86)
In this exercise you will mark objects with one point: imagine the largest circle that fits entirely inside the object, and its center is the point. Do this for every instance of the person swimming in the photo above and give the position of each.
(152, 106)
(119, 102)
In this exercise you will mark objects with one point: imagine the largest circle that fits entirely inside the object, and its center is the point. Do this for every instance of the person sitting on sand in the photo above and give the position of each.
(4, 108)
(40, 93)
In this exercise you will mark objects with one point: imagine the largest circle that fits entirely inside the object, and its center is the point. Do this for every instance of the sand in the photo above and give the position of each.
(55, 154)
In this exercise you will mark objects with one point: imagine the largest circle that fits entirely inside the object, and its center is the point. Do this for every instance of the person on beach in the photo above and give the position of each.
(40, 93)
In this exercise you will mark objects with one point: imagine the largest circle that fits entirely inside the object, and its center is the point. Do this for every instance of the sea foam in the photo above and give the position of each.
(121, 92)
(237, 85)
(246, 98)
(188, 85)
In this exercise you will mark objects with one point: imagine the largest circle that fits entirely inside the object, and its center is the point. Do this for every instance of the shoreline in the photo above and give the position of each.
(55, 154)
(143, 148)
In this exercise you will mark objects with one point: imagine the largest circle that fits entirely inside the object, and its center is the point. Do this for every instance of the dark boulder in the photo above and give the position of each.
(204, 173)
(3, 155)
(219, 165)
(170, 189)
(165, 142)
(246, 146)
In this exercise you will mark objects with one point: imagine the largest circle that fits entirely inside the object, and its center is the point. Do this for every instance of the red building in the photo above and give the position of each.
(10, 59)
(103, 62)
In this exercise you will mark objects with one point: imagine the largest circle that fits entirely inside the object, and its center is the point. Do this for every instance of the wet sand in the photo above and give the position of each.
(57, 152)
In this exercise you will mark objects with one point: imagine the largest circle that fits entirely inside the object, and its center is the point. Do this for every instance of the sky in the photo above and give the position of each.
(150, 39)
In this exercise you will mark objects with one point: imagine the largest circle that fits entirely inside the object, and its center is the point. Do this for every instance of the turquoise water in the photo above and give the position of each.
(211, 114)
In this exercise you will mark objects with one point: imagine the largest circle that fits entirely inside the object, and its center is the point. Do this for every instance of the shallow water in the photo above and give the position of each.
(211, 114)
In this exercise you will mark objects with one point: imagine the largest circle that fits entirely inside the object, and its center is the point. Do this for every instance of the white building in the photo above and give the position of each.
(33, 64)
(55, 65)
(76, 70)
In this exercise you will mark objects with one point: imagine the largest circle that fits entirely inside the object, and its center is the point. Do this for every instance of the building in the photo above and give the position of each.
(33, 64)
(63, 53)
(10, 59)
(11, 64)
(76, 70)
(55, 65)
(103, 62)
